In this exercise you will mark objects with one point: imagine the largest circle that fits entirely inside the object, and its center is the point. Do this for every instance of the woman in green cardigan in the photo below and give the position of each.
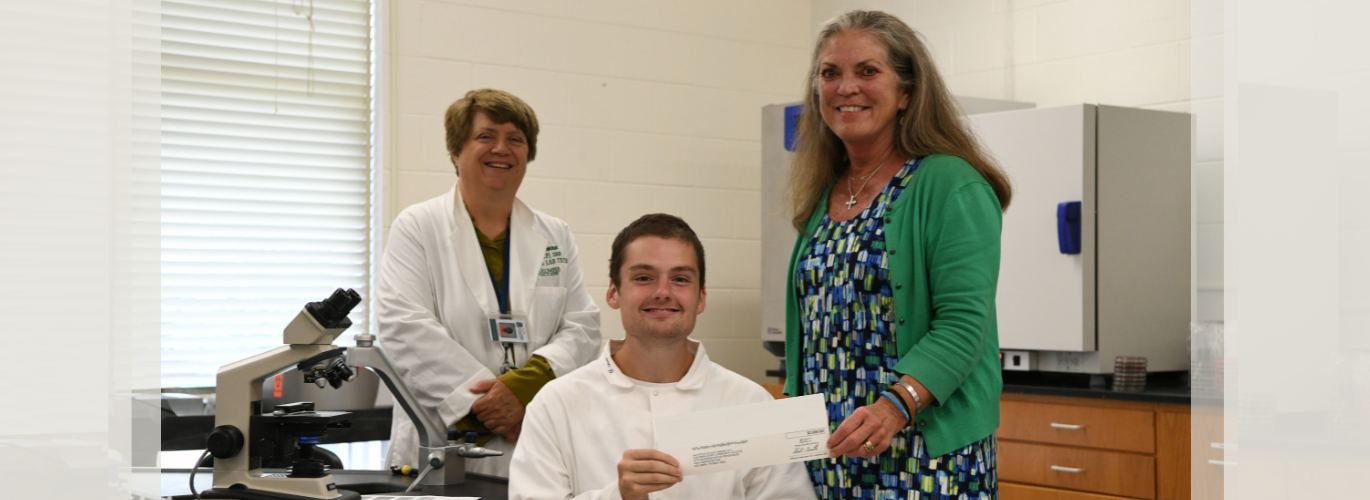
(892, 280)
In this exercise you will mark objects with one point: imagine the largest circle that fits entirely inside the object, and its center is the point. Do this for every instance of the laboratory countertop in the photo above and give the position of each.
(175, 483)
(1161, 387)
(188, 432)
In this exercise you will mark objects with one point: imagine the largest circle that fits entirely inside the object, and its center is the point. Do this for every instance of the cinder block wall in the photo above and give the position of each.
(644, 106)
(1125, 53)
(655, 106)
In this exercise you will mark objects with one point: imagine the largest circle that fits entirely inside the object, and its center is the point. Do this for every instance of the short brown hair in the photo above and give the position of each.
(663, 226)
(500, 106)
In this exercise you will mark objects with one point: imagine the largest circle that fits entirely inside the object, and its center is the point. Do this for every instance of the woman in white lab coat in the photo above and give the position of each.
(481, 298)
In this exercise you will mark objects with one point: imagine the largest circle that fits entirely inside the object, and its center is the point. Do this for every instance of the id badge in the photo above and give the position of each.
(508, 328)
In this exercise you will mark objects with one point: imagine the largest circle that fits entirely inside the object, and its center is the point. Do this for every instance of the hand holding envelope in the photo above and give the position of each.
(875, 424)
(646, 471)
(746, 436)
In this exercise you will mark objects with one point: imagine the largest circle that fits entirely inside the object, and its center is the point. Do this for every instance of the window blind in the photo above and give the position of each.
(266, 173)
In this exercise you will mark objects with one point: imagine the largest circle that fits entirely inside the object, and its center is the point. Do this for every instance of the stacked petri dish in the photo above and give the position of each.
(1129, 373)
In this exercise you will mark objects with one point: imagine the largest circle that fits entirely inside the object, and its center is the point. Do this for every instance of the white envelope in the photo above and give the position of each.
(746, 436)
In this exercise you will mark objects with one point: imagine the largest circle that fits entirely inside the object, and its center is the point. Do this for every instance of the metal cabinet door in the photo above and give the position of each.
(1045, 298)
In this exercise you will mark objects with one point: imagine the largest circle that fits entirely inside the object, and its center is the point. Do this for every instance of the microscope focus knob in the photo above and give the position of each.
(224, 441)
(435, 459)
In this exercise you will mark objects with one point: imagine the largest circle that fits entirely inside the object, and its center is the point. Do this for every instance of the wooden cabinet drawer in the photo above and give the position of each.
(1098, 471)
(1208, 450)
(1173, 454)
(1014, 491)
(1109, 428)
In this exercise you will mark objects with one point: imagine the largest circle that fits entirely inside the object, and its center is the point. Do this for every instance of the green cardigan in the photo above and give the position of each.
(942, 234)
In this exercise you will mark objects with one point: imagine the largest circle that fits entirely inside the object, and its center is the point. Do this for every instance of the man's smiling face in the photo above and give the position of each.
(659, 293)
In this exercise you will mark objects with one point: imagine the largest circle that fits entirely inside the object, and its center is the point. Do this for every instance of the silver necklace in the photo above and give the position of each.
(852, 201)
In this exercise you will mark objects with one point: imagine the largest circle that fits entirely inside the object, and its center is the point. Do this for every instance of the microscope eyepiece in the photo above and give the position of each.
(337, 306)
(332, 311)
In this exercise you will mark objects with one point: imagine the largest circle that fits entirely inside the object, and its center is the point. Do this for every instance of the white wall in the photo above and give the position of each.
(644, 106)
(655, 106)
(1135, 53)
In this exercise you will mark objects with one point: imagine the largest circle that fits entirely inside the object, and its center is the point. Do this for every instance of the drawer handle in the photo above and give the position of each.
(1072, 427)
(1225, 446)
(1222, 463)
(1066, 469)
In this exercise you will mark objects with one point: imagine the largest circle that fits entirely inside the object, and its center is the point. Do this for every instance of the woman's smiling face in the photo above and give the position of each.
(859, 93)
(495, 157)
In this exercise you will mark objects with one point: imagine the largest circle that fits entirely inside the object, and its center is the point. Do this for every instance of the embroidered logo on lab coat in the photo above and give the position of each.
(552, 262)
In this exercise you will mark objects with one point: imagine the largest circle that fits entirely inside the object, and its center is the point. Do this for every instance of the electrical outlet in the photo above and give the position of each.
(1018, 360)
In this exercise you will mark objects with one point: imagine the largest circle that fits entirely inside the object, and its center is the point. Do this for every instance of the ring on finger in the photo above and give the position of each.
(869, 447)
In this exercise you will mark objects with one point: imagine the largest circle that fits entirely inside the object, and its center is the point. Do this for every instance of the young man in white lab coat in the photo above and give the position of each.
(589, 434)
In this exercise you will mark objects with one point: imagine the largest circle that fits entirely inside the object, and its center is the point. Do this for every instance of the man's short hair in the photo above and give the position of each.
(663, 226)
(502, 107)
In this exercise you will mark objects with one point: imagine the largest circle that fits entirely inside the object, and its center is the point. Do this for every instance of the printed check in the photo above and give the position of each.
(746, 436)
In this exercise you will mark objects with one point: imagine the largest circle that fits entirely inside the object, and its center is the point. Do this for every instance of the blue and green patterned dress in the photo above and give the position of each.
(848, 333)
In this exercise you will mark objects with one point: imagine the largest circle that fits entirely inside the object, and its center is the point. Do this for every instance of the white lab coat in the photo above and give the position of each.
(433, 297)
(577, 429)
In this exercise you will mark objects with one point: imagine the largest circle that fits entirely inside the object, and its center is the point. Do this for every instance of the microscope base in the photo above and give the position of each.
(231, 494)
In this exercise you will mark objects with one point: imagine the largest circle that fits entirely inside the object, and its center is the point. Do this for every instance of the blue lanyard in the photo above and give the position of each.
(502, 293)
(502, 286)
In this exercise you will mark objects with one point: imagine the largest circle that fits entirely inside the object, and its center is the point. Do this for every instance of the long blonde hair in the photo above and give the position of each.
(932, 123)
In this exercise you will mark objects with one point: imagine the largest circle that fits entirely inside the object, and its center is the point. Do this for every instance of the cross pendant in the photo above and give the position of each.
(851, 202)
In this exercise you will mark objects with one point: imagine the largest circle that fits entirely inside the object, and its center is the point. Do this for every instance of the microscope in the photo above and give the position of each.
(244, 436)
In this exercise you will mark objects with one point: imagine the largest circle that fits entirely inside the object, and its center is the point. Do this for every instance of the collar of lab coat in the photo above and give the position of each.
(526, 252)
(693, 379)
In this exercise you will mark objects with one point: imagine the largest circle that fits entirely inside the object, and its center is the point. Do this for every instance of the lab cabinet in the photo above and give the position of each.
(1208, 448)
(1068, 448)
(1095, 252)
